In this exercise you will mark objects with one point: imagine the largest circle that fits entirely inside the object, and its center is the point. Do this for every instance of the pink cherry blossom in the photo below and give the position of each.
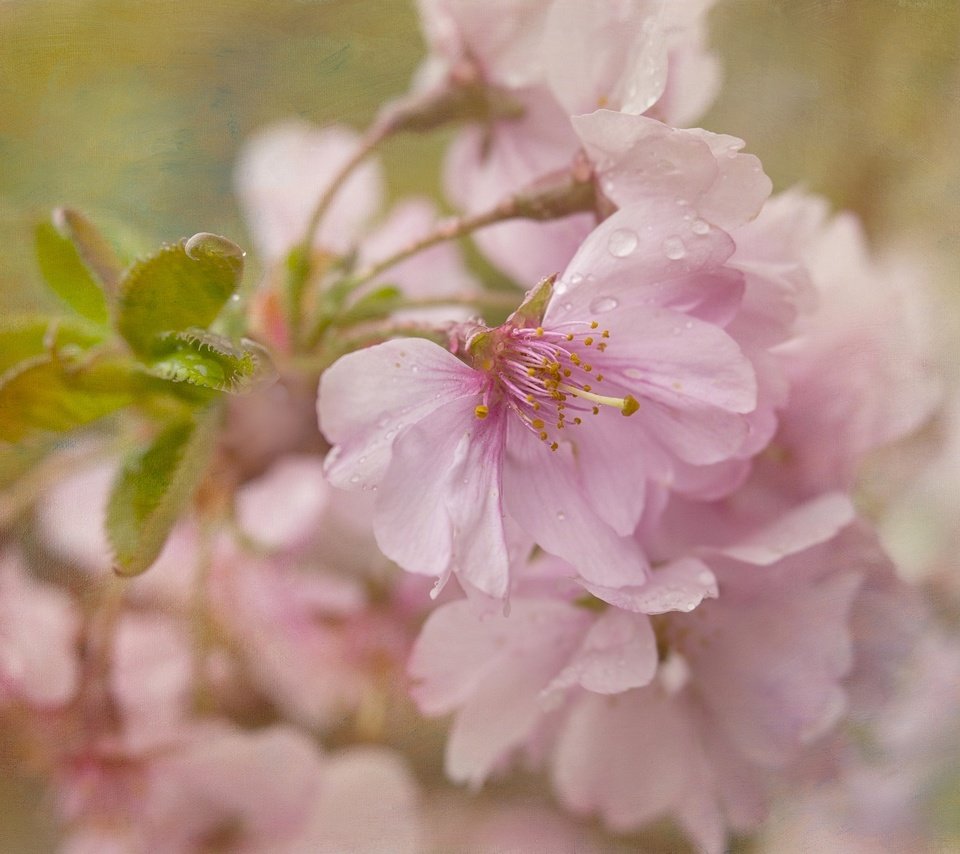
(39, 633)
(727, 717)
(506, 676)
(530, 421)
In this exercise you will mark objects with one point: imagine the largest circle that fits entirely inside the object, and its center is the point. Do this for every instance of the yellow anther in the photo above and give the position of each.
(531, 372)
(605, 333)
(569, 336)
(481, 411)
(559, 425)
(594, 324)
(575, 358)
(587, 387)
(630, 405)
(539, 332)
(599, 378)
(543, 435)
(588, 340)
(601, 346)
(566, 372)
(529, 398)
(554, 446)
(596, 410)
(536, 406)
(538, 423)
(578, 420)
(587, 367)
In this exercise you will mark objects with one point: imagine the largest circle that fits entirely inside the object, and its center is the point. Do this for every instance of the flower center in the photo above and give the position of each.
(546, 377)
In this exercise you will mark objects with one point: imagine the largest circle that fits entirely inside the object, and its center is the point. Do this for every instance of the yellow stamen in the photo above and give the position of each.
(627, 405)
(594, 324)
(481, 411)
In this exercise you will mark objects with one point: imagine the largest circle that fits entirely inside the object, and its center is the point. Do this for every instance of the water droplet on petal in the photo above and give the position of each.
(700, 227)
(674, 249)
(603, 304)
(355, 479)
(622, 242)
(576, 278)
(561, 516)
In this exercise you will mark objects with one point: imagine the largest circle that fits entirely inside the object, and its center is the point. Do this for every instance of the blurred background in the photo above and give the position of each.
(134, 112)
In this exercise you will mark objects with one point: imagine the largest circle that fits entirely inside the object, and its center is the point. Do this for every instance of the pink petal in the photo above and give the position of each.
(812, 523)
(678, 586)
(367, 803)
(282, 508)
(368, 397)
(39, 629)
(280, 176)
(599, 52)
(439, 503)
(544, 495)
(618, 653)
(646, 254)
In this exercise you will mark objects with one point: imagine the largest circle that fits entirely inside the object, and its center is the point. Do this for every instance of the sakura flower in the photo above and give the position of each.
(727, 717)
(250, 791)
(584, 54)
(506, 676)
(861, 369)
(40, 674)
(556, 418)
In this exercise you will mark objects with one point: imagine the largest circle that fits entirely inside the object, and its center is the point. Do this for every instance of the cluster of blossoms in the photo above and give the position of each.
(612, 537)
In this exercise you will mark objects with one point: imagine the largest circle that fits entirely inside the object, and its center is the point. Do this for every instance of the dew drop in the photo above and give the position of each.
(235, 298)
(622, 242)
(561, 516)
(603, 304)
(415, 369)
(576, 278)
(700, 227)
(355, 479)
(206, 245)
(674, 249)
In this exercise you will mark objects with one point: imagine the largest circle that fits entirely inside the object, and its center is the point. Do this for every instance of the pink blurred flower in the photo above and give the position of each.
(39, 634)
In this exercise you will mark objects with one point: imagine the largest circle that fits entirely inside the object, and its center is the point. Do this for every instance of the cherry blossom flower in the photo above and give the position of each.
(556, 418)
(40, 674)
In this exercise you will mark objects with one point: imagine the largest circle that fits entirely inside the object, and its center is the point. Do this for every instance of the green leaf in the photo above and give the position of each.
(152, 488)
(94, 249)
(68, 276)
(204, 359)
(49, 395)
(177, 288)
(26, 337)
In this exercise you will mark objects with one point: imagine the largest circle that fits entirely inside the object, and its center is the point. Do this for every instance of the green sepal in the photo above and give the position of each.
(48, 394)
(68, 276)
(534, 304)
(177, 288)
(152, 488)
(208, 360)
(27, 337)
